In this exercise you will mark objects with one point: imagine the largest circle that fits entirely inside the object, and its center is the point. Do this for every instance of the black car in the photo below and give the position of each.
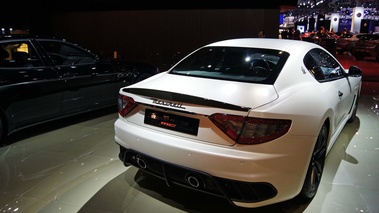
(366, 46)
(42, 79)
(345, 43)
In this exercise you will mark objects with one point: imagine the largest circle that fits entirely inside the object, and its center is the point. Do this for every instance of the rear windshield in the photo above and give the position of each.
(252, 65)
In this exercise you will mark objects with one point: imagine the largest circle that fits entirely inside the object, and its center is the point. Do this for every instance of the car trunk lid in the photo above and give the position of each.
(189, 105)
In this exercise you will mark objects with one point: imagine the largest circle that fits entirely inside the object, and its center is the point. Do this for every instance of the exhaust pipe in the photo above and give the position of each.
(141, 162)
(193, 180)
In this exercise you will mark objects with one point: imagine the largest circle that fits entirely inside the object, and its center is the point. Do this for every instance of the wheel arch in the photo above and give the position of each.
(328, 126)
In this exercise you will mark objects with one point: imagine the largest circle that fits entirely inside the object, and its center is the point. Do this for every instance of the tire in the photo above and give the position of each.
(316, 166)
(354, 113)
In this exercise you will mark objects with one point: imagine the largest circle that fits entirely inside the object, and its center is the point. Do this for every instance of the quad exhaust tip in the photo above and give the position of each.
(194, 180)
(141, 162)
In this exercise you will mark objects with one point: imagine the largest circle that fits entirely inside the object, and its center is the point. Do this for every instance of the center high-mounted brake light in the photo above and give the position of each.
(247, 130)
(125, 104)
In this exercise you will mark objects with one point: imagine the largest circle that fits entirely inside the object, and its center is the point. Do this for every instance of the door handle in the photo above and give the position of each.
(340, 94)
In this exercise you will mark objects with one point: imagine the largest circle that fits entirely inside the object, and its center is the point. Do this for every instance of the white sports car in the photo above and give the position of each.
(251, 120)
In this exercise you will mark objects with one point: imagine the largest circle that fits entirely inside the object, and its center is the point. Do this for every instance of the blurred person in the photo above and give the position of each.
(297, 35)
(345, 33)
(322, 33)
(261, 34)
(284, 33)
(291, 31)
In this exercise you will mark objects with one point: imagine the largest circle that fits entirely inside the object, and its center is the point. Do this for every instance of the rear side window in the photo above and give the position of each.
(18, 54)
(323, 66)
(233, 63)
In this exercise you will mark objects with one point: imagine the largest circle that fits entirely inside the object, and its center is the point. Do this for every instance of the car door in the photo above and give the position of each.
(342, 90)
(336, 75)
(87, 82)
(30, 91)
(330, 73)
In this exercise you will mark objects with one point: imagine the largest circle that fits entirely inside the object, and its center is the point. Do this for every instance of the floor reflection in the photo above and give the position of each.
(144, 189)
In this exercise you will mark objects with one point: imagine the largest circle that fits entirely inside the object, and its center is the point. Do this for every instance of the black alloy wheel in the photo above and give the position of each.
(316, 166)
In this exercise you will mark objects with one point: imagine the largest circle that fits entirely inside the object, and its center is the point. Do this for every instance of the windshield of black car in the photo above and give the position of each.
(369, 37)
(67, 54)
(253, 65)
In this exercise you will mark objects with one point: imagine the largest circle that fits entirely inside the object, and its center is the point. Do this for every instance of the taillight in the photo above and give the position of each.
(125, 104)
(247, 130)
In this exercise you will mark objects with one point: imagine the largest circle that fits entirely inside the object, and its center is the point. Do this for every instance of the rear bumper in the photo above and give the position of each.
(275, 170)
(233, 191)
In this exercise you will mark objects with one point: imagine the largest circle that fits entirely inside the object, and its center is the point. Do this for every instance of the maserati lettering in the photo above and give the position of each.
(168, 103)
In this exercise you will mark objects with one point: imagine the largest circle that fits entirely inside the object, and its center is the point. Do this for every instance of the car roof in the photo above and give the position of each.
(26, 36)
(18, 37)
(269, 43)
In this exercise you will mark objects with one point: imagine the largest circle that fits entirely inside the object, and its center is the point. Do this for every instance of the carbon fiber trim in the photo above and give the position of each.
(171, 96)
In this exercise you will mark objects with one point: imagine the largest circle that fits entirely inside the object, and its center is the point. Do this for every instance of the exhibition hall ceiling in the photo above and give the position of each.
(343, 7)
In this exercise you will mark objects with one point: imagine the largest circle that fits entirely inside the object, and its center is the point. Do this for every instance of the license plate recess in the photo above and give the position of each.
(173, 122)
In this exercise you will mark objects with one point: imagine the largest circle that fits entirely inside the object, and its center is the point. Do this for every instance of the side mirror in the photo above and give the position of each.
(355, 71)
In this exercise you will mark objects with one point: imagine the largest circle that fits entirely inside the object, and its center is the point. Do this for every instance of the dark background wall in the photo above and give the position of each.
(160, 36)
(141, 32)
